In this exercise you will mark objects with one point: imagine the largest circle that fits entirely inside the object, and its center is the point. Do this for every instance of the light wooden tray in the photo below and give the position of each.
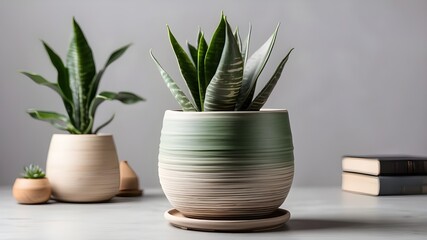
(272, 221)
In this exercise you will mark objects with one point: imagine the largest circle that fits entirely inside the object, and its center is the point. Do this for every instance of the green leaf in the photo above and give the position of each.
(245, 46)
(214, 52)
(187, 68)
(193, 53)
(180, 96)
(63, 80)
(33, 172)
(253, 69)
(201, 54)
(238, 39)
(81, 67)
(124, 97)
(93, 89)
(116, 55)
(58, 120)
(222, 92)
(42, 81)
(104, 124)
(262, 97)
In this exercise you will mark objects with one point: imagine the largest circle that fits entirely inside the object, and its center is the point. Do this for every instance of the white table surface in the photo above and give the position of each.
(316, 213)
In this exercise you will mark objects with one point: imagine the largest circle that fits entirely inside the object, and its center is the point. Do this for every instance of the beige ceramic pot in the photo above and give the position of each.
(31, 191)
(83, 168)
(226, 165)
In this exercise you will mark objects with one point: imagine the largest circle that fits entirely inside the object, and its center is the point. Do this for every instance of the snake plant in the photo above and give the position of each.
(33, 172)
(220, 76)
(77, 85)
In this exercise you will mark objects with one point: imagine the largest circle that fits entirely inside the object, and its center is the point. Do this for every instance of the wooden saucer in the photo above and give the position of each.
(272, 221)
(130, 193)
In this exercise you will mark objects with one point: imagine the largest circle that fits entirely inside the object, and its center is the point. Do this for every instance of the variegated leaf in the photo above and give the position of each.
(187, 69)
(63, 81)
(262, 97)
(178, 94)
(215, 49)
(58, 120)
(222, 92)
(245, 46)
(123, 97)
(97, 78)
(193, 53)
(42, 81)
(81, 67)
(201, 54)
(116, 55)
(238, 39)
(253, 69)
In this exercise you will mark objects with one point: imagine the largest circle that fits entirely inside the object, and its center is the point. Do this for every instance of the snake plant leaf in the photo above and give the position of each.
(124, 97)
(222, 92)
(42, 81)
(245, 46)
(238, 39)
(214, 52)
(201, 54)
(187, 69)
(63, 79)
(104, 124)
(116, 55)
(93, 89)
(178, 94)
(81, 67)
(253, 69)
(193, 53)
(193, 50)
(262, 97)
(58, 120)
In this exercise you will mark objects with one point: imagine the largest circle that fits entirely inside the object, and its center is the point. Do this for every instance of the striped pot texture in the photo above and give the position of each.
(83, 168)
(226, 165)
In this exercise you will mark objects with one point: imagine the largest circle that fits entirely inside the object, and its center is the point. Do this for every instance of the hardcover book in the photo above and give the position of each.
(385, 165)
(384, 185)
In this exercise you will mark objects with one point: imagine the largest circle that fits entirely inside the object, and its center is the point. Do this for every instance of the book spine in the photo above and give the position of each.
(403, 167)
(403, 185)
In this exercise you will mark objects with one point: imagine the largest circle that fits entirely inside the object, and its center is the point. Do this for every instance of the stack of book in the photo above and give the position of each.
(384, 175)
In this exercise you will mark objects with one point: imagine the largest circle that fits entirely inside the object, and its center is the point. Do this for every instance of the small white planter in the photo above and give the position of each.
(226, 165)
(83, 168)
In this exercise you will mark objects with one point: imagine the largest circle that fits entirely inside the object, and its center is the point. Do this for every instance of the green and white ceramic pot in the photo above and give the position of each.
(226, 165)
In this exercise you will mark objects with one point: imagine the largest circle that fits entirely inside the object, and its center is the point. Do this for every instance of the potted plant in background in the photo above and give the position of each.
(33, 187)
(81, 166)
(222, 157)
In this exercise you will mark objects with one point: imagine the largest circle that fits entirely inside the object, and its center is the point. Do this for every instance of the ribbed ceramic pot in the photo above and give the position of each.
(222, 165)
(83, 168)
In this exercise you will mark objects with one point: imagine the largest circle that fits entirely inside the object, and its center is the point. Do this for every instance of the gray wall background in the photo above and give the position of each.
(355, 84)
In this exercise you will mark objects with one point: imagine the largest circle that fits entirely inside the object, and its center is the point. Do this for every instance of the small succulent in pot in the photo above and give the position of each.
(221, 76)
(33, 187)
(33, 172)
(77, 85)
